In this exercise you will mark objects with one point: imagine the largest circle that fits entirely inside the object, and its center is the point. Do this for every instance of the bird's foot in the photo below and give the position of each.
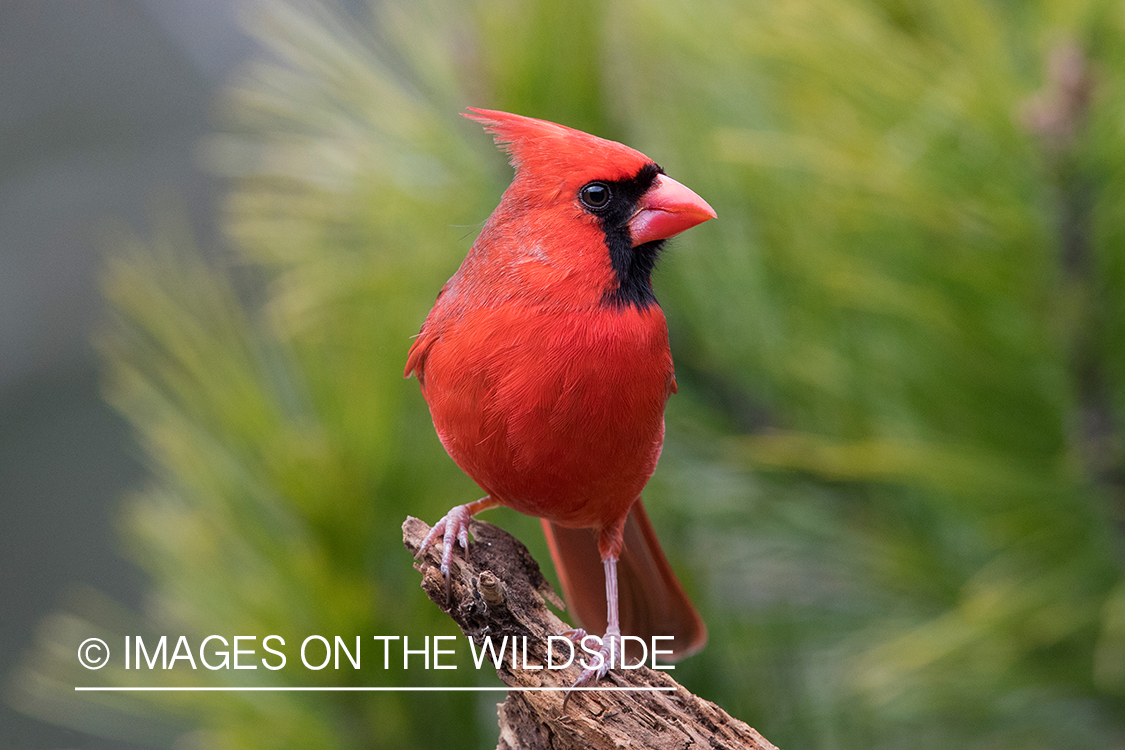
(453, 526)
(603, 660)
(610, 655)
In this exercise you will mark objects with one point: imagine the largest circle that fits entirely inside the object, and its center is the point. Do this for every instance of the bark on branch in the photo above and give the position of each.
(497, 589)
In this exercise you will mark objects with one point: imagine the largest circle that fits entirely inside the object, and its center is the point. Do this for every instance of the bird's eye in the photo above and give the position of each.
(595, 195)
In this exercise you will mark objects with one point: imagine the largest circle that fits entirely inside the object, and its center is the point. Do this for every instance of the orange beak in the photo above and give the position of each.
(667, 209)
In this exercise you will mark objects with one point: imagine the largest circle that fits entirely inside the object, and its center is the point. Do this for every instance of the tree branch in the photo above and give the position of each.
(497, 589)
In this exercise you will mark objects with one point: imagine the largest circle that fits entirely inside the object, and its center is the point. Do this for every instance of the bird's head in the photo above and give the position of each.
(578, 186)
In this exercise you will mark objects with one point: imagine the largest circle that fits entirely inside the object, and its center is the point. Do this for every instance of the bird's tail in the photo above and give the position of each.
(652, 601)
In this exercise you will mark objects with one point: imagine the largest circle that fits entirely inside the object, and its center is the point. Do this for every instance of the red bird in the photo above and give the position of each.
(546, 367)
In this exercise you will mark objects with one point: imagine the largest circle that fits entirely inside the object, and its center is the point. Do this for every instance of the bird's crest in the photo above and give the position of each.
(541, 147)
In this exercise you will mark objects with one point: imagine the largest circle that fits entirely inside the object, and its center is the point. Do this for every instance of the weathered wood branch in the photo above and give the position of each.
(497, 589)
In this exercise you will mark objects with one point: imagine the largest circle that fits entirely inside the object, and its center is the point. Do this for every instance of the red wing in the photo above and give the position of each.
(416, 358)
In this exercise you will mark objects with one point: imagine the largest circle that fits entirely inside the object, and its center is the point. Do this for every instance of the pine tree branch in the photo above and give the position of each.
(498, 590)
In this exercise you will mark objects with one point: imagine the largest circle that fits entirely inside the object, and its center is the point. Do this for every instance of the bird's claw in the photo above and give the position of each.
(453, 526)
(574, 634)
(612, 655)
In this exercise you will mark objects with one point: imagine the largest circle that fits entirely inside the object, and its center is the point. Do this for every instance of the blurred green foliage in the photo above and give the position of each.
(894, 472)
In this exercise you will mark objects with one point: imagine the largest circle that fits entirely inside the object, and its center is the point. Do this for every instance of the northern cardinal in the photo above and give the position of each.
(546, 366)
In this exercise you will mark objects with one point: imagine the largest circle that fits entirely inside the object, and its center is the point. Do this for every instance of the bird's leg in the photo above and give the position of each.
(454, 526)
(611, 651)
(611, 540)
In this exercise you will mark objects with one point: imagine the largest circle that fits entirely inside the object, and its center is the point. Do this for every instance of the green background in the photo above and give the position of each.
(893, 477)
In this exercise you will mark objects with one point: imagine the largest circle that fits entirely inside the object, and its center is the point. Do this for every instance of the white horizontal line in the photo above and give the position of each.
(371, 689)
